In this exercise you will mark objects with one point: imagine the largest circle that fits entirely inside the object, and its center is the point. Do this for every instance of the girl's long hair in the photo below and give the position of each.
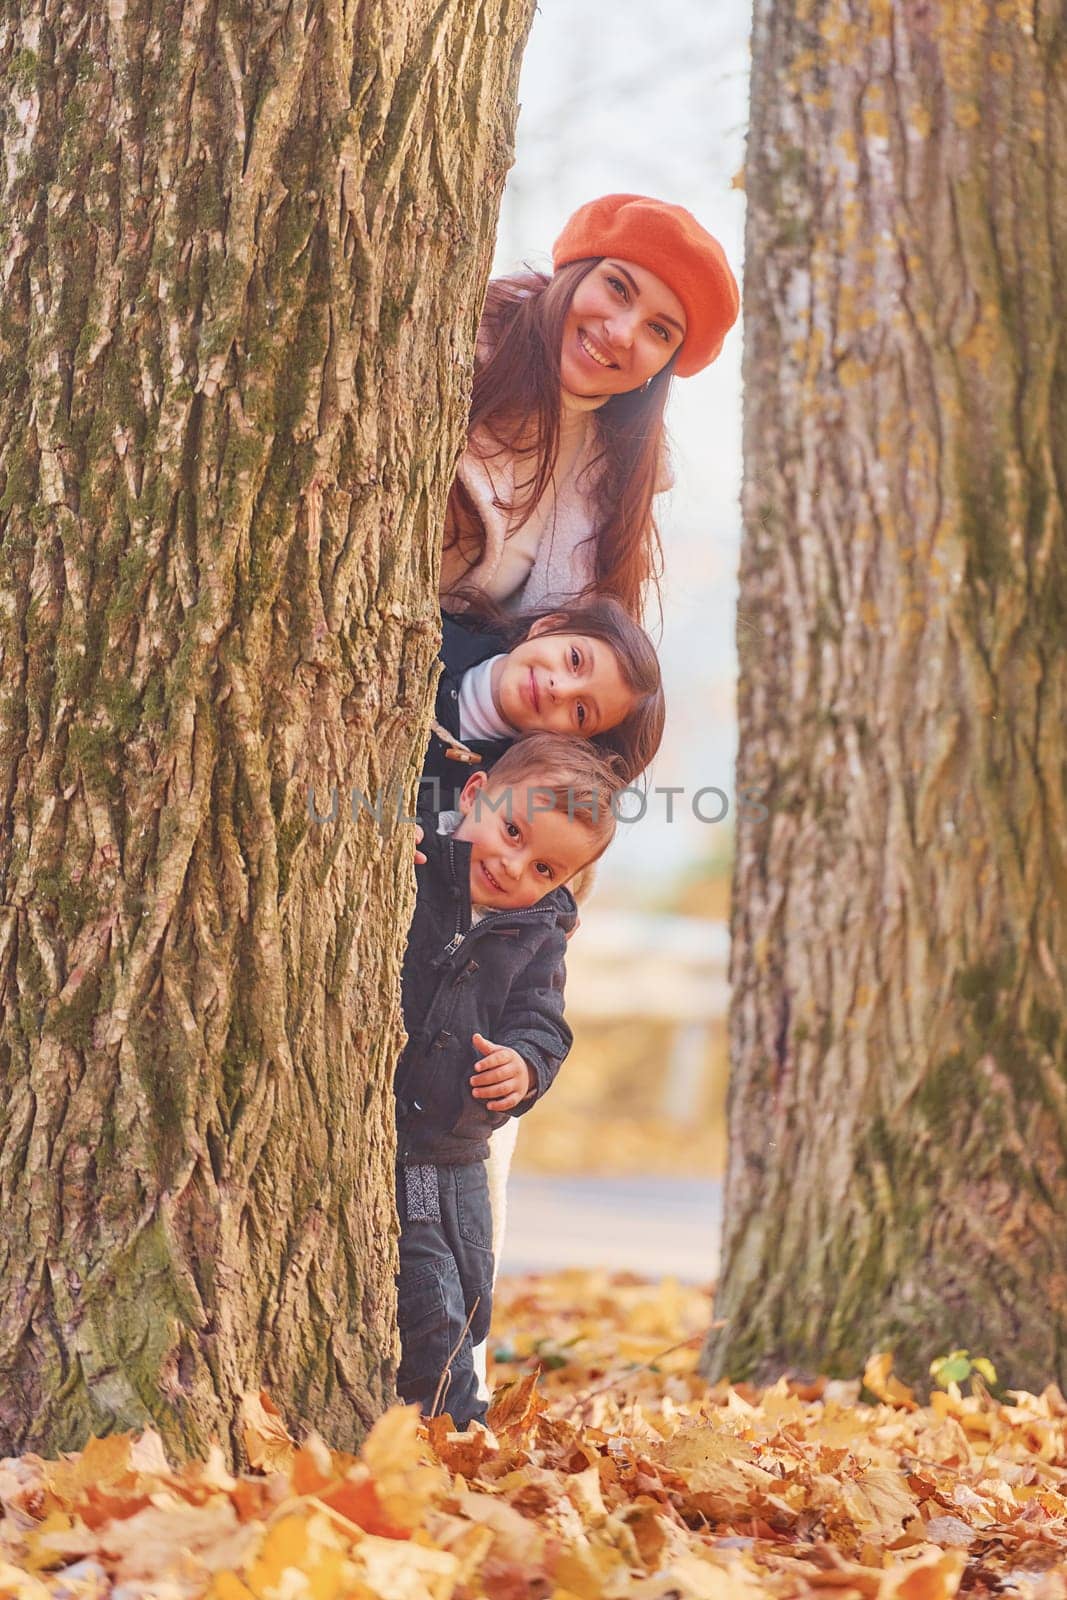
(516, 401)
(635, 740)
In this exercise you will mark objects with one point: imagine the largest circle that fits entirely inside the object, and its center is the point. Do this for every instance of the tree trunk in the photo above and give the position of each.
(898, 1148)
(244, 248)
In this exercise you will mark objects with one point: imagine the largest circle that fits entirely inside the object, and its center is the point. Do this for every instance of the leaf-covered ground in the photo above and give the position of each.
(618, 1473)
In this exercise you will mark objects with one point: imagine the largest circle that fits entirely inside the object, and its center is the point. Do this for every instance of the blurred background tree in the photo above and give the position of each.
(898, 1114)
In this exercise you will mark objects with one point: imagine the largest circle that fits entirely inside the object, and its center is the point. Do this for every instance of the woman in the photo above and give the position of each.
(566, 448)
(552, 501)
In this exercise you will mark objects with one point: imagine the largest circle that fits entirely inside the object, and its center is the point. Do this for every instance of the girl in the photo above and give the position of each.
(585, 670)
(553, 497)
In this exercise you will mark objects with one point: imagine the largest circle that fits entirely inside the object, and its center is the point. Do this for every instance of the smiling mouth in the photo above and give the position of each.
(491, 880)
(593, 353)
(535, 698)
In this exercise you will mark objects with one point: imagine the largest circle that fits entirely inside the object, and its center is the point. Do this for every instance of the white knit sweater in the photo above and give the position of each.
(550, 558)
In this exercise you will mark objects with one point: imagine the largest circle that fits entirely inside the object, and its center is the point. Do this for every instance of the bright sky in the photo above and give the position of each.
(652, 99)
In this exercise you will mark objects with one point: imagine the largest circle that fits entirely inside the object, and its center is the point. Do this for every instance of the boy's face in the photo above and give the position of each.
(516, 860)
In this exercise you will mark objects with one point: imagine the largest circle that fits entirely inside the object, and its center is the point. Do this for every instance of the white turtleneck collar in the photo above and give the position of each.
(478, 714)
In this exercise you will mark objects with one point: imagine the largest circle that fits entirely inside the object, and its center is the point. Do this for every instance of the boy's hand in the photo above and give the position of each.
(502, 1078)
(419, 857)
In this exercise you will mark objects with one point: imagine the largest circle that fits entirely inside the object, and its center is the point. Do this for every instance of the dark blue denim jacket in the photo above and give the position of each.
(502, 978)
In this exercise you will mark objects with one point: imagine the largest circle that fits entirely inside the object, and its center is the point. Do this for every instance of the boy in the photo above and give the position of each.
(483, 1009)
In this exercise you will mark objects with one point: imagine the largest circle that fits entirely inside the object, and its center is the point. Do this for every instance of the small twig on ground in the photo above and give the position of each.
(446, 1376)
(645, 1366)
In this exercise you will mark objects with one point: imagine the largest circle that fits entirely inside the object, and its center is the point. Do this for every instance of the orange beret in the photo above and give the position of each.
(669, 241)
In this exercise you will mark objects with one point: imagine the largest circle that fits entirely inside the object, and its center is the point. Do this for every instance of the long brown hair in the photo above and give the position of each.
(635, 740)
(516, 401)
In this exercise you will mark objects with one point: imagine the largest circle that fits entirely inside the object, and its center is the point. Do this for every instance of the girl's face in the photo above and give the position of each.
(561, 683)
(623, 326)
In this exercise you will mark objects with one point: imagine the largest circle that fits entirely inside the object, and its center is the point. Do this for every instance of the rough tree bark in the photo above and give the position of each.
(243, 248)
(898, 1148)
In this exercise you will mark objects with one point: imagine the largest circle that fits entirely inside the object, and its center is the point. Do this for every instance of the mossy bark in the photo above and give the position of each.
(244, 248)
(898, 1145)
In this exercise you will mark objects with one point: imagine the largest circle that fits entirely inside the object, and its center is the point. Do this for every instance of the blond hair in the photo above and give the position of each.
(580, 780)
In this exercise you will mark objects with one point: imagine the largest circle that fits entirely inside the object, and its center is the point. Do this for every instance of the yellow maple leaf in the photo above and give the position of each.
(587, 1570)
(879, 1503)
(42, 1553)
(303, 1556)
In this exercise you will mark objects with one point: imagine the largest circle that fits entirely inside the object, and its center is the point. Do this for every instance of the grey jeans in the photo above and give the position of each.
(446, 1266)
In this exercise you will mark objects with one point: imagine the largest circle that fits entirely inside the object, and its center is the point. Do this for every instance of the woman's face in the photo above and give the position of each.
(623, 326)
(561, 683)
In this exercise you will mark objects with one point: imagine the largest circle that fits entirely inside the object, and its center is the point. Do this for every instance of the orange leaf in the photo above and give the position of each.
(878, 1376)
(229, 1587)
(931, 1578)
(406, 1480)
(460, 1452)
(312, 1468)
(267, 1441)
(516, 1404)
(97, 1510)
(41, 1553)
(358, 1501)
(101, 1463)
